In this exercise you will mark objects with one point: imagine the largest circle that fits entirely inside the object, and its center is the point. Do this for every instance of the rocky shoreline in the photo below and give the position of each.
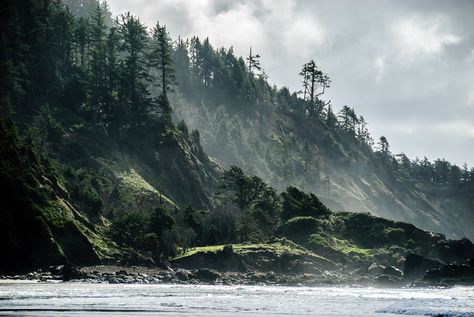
(112, 274)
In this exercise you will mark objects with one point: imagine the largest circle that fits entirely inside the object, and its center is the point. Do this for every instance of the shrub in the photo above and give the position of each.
(297, 203)
(126, 229)
(394, 235)
(299, 227)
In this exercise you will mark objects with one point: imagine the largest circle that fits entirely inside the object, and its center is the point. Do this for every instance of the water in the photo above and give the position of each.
(74, 299)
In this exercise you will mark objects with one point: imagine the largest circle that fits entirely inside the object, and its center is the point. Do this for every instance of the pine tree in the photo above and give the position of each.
(114, 109)
(181, 64)
(315, 83)
(348, 119)
(133, 90)
(208, 61)
(161, 59)
(82, 40)
(253, 62)
(331, 120)
(384, 147)
(195, 58)
(99, 90)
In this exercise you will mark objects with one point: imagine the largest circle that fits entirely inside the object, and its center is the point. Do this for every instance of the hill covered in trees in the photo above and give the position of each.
(96, 169)
(300, 139)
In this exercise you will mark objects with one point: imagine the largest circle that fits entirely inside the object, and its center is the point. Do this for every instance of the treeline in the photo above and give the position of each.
(113, 73)
(118, 75)
(217, 73)
(114, 76)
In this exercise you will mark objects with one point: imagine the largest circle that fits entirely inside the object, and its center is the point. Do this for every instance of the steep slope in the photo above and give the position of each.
(96, 170)
(59, 211)
(38, 224)
(275, 140)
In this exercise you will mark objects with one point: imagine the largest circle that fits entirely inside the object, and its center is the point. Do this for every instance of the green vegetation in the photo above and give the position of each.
(277, 247)
(93, 167)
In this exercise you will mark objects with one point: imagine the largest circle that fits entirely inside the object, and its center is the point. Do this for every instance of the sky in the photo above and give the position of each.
(406, 66)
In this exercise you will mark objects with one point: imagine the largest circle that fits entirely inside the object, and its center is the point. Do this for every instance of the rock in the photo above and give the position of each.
(70, 272)
(182, 275)
(32, 276)
(417, 265)
(46, 277)
(375, 269)
(228, 250)
(56, 269)
(114, 280)
(364, 280)
(392, 271)
(271, 276)
(387, 279)
(206, 275)
(456, 273)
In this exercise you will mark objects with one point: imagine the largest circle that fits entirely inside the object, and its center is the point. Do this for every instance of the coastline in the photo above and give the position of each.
(118, 274)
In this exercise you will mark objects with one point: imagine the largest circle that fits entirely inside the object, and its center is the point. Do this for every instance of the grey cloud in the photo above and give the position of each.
(406, 66)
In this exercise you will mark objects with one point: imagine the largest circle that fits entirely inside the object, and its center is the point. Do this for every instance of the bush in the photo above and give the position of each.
(126, 229)
(299, 227)
(161, 220)
(394, 235)
(297, 203)
(147, 242)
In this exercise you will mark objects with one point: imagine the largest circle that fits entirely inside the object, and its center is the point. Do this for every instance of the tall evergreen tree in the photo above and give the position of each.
(208, 61)
(315, 83)
(182, 64)
(82, 40)
(253, 62)
(162, 60)
(133, 91)
(384, 147)
(99, 90)
(114, 109)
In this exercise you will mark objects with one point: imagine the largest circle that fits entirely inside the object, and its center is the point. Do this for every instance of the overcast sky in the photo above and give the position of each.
(406, 66)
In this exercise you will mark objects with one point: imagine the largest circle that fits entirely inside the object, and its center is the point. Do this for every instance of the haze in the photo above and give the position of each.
(407, 67)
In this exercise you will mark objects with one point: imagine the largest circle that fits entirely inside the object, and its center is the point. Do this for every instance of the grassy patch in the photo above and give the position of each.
(347, 247)
(340, 245)
(277, 247)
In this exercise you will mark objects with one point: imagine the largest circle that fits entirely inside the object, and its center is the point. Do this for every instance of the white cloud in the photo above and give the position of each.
(303, 36)
(455, 128)
(379, 64)
(470, 98)
(422, 37)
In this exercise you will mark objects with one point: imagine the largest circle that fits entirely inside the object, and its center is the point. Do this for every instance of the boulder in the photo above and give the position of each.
(417, 265)
(375, 269)
(392, 271)
(206, 275)
(457, 273)
(182, 275)
(70, 272)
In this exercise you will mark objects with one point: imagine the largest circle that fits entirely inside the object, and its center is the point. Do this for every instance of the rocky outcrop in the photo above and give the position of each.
(452, 274)
(417, 265)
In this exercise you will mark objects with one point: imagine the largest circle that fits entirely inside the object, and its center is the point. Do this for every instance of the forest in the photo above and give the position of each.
(98, 162)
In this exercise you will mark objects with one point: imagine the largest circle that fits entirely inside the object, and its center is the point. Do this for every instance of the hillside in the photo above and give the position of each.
(287, 140)
(98, 168)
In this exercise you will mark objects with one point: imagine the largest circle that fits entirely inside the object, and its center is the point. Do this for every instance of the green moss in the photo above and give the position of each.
(347, 247)
(344, 246)
(277, 246)
(395, 235)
